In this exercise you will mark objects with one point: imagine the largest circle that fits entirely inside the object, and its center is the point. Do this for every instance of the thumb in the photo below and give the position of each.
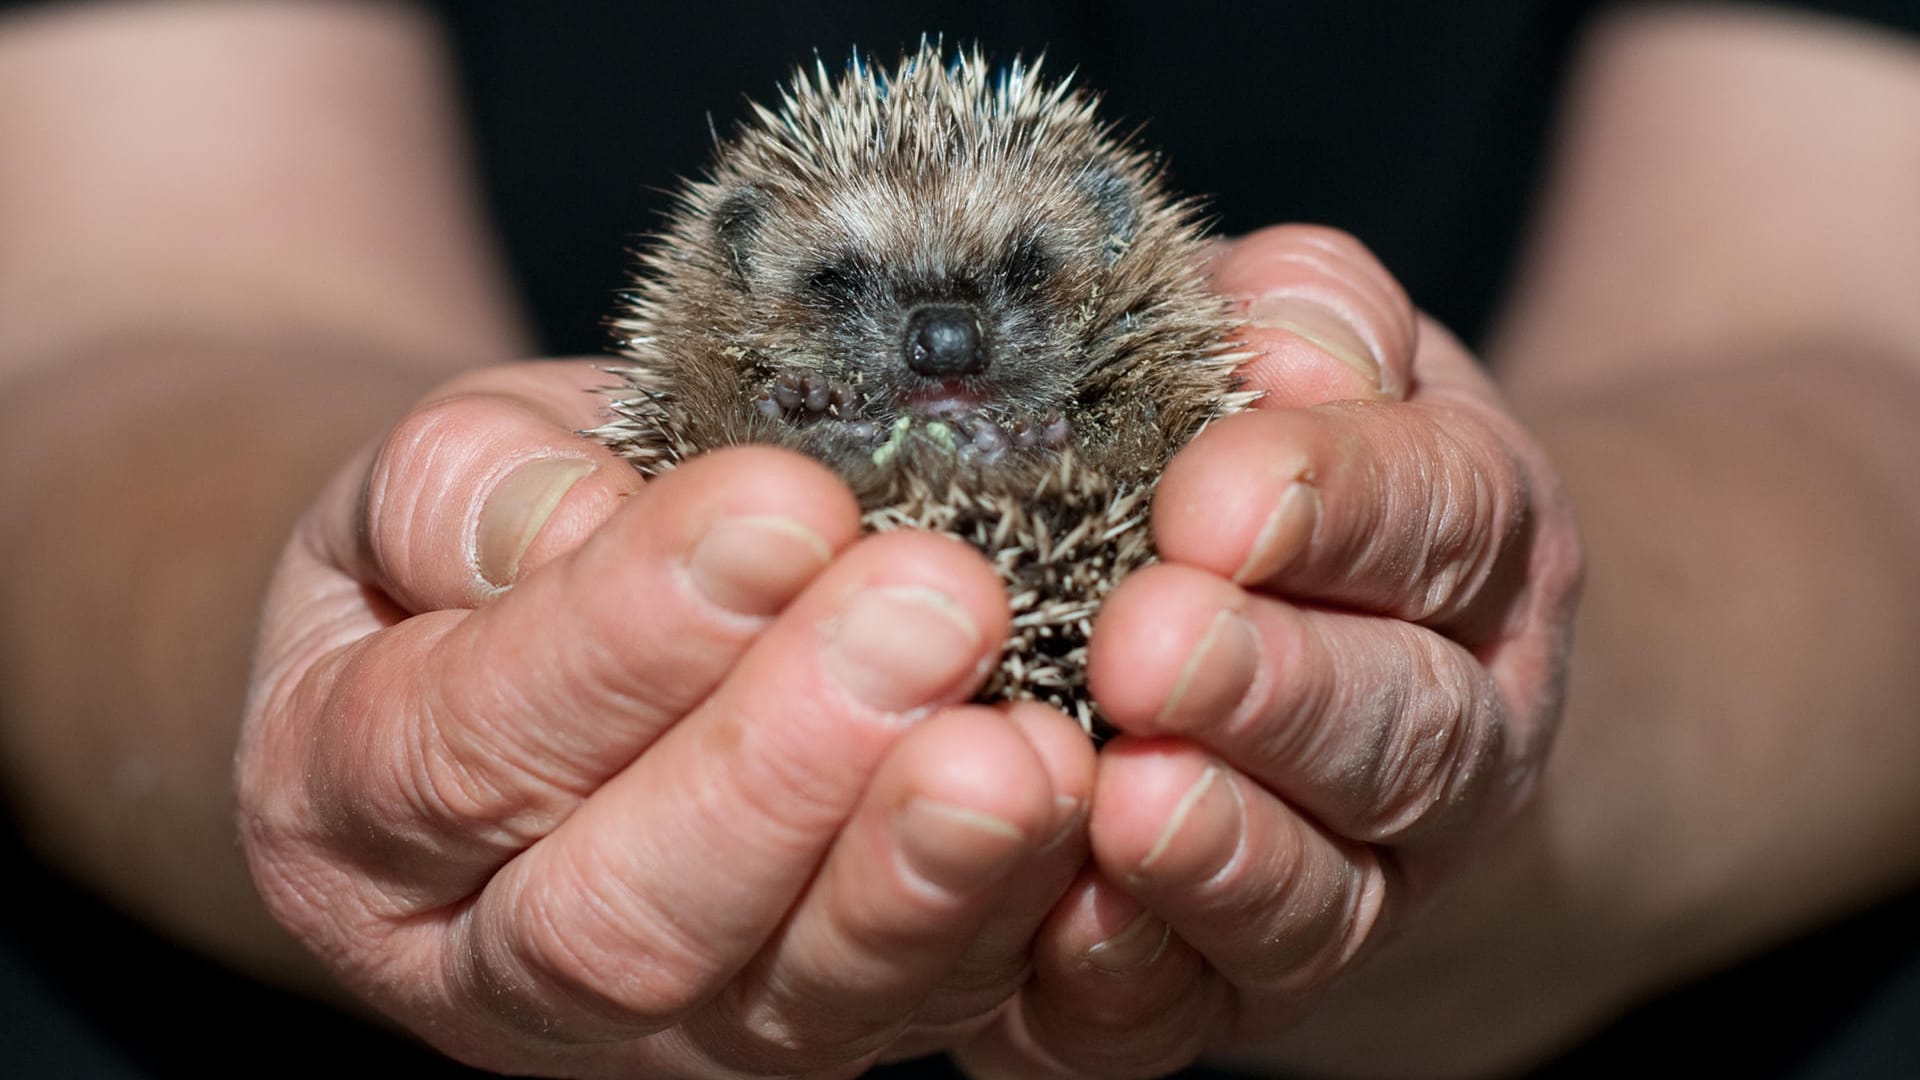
(481, 483)
(1325, 319)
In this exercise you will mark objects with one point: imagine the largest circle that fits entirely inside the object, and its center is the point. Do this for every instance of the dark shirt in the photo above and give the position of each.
(1410, 124)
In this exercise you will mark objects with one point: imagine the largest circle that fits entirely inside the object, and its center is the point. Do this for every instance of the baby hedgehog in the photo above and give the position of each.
(959, 289)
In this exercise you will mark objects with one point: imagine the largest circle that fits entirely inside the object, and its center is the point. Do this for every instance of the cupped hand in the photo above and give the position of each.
(1343, 678)
(573, 775)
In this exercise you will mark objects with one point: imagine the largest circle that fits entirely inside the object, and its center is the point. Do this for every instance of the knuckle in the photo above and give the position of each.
(353, 789)
(1310, 941)
(466, 784)
(268, 754)
(647, 676)
(872, 935)
(570, 939)
(1342, 936)
(268, 833)
(1350, 253)
(410, 795)
(304, 838)
(1432, 750)
(1479, 512)
(794, 776)
(300, 806)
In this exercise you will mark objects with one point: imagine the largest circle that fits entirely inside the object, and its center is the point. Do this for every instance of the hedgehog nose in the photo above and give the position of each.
(943, 340)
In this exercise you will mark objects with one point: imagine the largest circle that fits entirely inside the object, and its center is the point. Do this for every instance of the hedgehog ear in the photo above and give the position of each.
(1118, 202)
(736, 222)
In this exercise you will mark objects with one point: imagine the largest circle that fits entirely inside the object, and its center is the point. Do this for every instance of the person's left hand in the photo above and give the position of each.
(1345, 675)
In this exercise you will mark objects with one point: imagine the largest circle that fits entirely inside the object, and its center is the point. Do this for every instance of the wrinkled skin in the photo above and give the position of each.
(732, 818)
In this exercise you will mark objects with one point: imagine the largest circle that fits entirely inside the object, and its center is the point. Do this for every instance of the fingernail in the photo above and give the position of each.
(1204, 828)
(900, 647)
(513, 515)
(1284, 535)
(1217, 675)
(1138, 944)
(954, 851)
(754, 564)
(1320, 325)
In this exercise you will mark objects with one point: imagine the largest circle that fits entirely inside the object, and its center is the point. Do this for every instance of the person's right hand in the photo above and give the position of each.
(574, 774)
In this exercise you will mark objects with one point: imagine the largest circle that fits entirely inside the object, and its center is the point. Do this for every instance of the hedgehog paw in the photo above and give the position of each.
(986, 442)
(804, 394)
(1051, 433)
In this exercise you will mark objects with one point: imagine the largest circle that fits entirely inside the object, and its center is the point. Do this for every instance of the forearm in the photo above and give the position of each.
(1712, 341)
(149, 489)
(1716, 338)
(1729, 182)
(259, 175)
(1712, 346)
(1738, 756)
(263, 248)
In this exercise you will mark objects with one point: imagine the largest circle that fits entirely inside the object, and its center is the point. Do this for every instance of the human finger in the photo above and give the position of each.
(1325, 320)
(1384, 731)
(1419, 510)
(1269, 899)
(999, 957)
(1114, 994)
(656, 891)
(480, 483)
(456, 739)
(959, 803)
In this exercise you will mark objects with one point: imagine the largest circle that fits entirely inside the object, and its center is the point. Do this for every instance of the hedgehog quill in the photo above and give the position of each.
(956, 286)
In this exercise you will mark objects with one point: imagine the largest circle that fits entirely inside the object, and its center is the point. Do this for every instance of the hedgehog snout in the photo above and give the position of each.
(944, 341)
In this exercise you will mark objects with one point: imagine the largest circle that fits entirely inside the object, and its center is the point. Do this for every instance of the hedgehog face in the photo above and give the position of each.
(906, 297)
(942, 250)
(954, 286)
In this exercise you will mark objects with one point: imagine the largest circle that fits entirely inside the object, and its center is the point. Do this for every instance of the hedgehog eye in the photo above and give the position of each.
(1026, 265)
(835, 283)
(1113, 195)
(736, 221)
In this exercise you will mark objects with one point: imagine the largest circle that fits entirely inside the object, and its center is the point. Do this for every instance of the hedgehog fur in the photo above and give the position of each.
(962, 290)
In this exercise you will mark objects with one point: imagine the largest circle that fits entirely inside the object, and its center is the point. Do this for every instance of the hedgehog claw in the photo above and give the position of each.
(804, 394)
(985, 441)
(989, 439)
(1056, 431)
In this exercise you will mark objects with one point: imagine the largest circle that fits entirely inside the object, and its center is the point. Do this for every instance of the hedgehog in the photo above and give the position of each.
(967, 294)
